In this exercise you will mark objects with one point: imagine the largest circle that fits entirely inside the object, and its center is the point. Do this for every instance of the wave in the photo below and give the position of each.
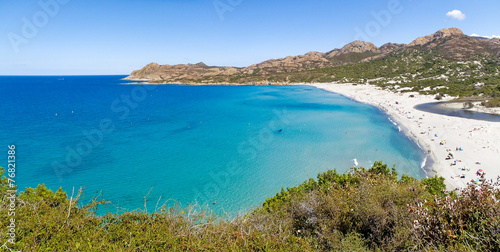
(395, 124)
(424, 162)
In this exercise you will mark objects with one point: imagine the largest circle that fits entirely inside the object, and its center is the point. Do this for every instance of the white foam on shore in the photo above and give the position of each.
(424, 163)
(395, 124)
(416, 141)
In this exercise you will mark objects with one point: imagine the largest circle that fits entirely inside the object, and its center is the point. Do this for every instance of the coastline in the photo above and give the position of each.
(480, 140)
(149, 82)
(430, 157)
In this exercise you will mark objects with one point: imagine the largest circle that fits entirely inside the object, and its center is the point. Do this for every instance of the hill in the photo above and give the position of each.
(351, 53)
(450, 44)
(446, 62)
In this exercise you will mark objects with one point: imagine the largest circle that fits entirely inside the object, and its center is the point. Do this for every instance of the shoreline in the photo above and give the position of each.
(149, 82)
(427, 163)
(480, 140)
(429, 158)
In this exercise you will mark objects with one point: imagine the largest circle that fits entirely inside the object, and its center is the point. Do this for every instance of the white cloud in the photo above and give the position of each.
(490, 37)
(456, 14)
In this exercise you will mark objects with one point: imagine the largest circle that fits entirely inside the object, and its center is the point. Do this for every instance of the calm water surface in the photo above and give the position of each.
(233, 145)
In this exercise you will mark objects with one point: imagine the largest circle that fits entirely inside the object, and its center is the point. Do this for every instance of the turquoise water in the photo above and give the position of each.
(233, 145)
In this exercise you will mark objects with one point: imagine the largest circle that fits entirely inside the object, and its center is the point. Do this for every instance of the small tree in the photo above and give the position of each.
(434, 185)
(468, 105)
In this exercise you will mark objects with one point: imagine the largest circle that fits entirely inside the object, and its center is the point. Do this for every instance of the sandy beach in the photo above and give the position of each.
(474, 144)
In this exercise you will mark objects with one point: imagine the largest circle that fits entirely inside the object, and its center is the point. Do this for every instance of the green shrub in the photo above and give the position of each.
(363, 210)
(434, 185)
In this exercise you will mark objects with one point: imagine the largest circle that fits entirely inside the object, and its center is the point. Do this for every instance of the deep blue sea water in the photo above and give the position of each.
(233, 145)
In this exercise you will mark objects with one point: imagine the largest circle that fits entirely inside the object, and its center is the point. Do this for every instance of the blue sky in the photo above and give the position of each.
(115, 37)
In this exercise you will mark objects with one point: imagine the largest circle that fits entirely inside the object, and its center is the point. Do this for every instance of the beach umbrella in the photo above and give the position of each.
(480, 170)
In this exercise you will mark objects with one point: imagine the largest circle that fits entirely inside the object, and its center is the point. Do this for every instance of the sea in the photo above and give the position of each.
(227, 148)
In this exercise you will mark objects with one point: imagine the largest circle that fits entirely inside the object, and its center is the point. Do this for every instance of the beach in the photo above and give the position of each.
(473, 144)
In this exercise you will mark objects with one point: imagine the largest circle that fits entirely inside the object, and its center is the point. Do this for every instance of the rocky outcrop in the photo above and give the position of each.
(444, 33)
(155, 72)
(354, 47)
(389, 47)
(315, 54)
(310, 60)
(147, 72)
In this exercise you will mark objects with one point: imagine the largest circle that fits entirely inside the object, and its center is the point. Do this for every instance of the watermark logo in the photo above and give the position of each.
(11, 194)
(224, 6)
(381, 19)
(31, 26)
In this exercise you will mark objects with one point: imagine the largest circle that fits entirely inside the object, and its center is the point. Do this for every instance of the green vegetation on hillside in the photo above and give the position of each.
(352, 57)
(433, 70)
(358, 211)
(412, 70)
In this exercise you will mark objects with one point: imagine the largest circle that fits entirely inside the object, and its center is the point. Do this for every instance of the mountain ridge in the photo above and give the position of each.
(451, 43)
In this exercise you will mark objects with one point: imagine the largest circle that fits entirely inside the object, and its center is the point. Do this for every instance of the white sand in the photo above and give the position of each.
(480, 140)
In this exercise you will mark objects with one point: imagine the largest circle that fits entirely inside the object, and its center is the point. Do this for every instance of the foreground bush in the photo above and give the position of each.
(359, 211)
